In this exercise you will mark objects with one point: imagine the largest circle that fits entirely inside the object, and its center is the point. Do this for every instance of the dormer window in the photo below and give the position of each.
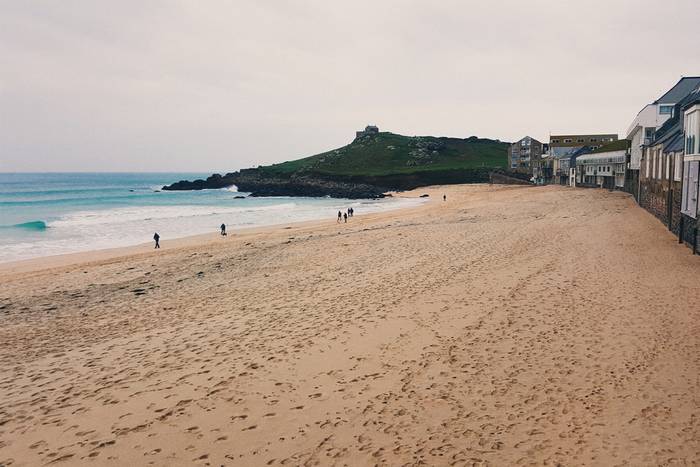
(666, 109)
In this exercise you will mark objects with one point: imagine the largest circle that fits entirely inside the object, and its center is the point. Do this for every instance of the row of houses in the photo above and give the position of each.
(658, 161)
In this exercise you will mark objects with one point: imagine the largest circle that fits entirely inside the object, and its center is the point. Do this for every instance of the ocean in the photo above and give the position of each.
(44, 214)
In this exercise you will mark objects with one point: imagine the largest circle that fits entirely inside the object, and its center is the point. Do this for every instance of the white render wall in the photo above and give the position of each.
(649, 117)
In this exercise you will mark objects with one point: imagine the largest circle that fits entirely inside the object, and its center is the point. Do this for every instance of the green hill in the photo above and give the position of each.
(369, 167)
(386, 153)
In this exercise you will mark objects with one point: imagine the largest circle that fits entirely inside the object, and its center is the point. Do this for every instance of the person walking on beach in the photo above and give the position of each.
(444, 197)
(156, 237)
(345, 215)
(223, 230)
(340, 215)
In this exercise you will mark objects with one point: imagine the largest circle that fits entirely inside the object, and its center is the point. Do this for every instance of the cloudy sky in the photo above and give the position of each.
(219, 85)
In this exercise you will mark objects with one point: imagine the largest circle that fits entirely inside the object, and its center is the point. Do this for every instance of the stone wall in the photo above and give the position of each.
(662, 198)
(632, 183)
(690, 234)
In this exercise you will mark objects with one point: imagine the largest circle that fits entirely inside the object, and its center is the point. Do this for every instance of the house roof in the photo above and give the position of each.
(675, 143)
(531, 139)
(667, 130)
(619, 145)
(671, 131)
(578, 153)
(682, 88)
(691, 99)
(611, 157)
(581, 151)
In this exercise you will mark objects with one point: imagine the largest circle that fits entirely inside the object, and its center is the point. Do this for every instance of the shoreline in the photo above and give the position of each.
(108, 254)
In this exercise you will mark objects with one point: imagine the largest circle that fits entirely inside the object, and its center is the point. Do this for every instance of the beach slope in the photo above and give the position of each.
(504, 326)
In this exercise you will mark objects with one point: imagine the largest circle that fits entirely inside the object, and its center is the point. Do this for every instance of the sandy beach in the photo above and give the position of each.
(505, 326)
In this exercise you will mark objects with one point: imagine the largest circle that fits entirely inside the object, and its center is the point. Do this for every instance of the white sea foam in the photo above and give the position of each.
(150, 213)
(125, 226)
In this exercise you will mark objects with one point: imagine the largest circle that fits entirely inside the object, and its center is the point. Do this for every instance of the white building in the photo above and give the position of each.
(652, 116)
(605, 168)
(691, 159)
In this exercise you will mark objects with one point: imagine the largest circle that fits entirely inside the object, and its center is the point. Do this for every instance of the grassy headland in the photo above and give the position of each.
(368, 167)
(388, 153)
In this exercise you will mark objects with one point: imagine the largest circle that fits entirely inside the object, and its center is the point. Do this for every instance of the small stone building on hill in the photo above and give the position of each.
(369, 130)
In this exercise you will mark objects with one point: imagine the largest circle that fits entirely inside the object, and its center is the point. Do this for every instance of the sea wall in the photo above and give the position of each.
(503, 179)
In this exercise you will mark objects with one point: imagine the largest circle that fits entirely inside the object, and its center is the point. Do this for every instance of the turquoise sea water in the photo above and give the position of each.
(54, 213)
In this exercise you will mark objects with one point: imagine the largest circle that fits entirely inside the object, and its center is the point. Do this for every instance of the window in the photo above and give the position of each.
(580, 140)
(555, 141)
(666, 109)
(646, 162)
(567, 140)
(689, 202)
(594, 140)
(678, 167)
(648, 135)
(692, 132)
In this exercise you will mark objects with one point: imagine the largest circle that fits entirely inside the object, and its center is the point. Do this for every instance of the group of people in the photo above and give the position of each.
(341, 216)
(156, 237)
(344, 215)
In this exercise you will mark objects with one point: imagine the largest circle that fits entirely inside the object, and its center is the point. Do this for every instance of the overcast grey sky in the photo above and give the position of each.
(220, 85)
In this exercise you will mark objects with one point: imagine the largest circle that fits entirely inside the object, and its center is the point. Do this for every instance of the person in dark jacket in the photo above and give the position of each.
(156, 237)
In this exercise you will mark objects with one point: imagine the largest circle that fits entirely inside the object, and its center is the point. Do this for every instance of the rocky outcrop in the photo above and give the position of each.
(259, 184)
(266, 183)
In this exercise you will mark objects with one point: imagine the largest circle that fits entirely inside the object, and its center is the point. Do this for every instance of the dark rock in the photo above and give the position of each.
(260, 184)
(425, 195)
(239, 197)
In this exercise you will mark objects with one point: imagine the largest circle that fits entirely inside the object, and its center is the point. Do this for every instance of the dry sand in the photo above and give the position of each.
(507, 326)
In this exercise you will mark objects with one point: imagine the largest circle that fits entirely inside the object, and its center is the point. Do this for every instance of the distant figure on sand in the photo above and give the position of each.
(345, 215)
(223, 229)
(444, 197)
(340, 215)
(156, 237)
(351, 212)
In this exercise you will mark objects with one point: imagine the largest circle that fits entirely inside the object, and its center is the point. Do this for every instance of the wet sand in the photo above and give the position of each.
(506, 326)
